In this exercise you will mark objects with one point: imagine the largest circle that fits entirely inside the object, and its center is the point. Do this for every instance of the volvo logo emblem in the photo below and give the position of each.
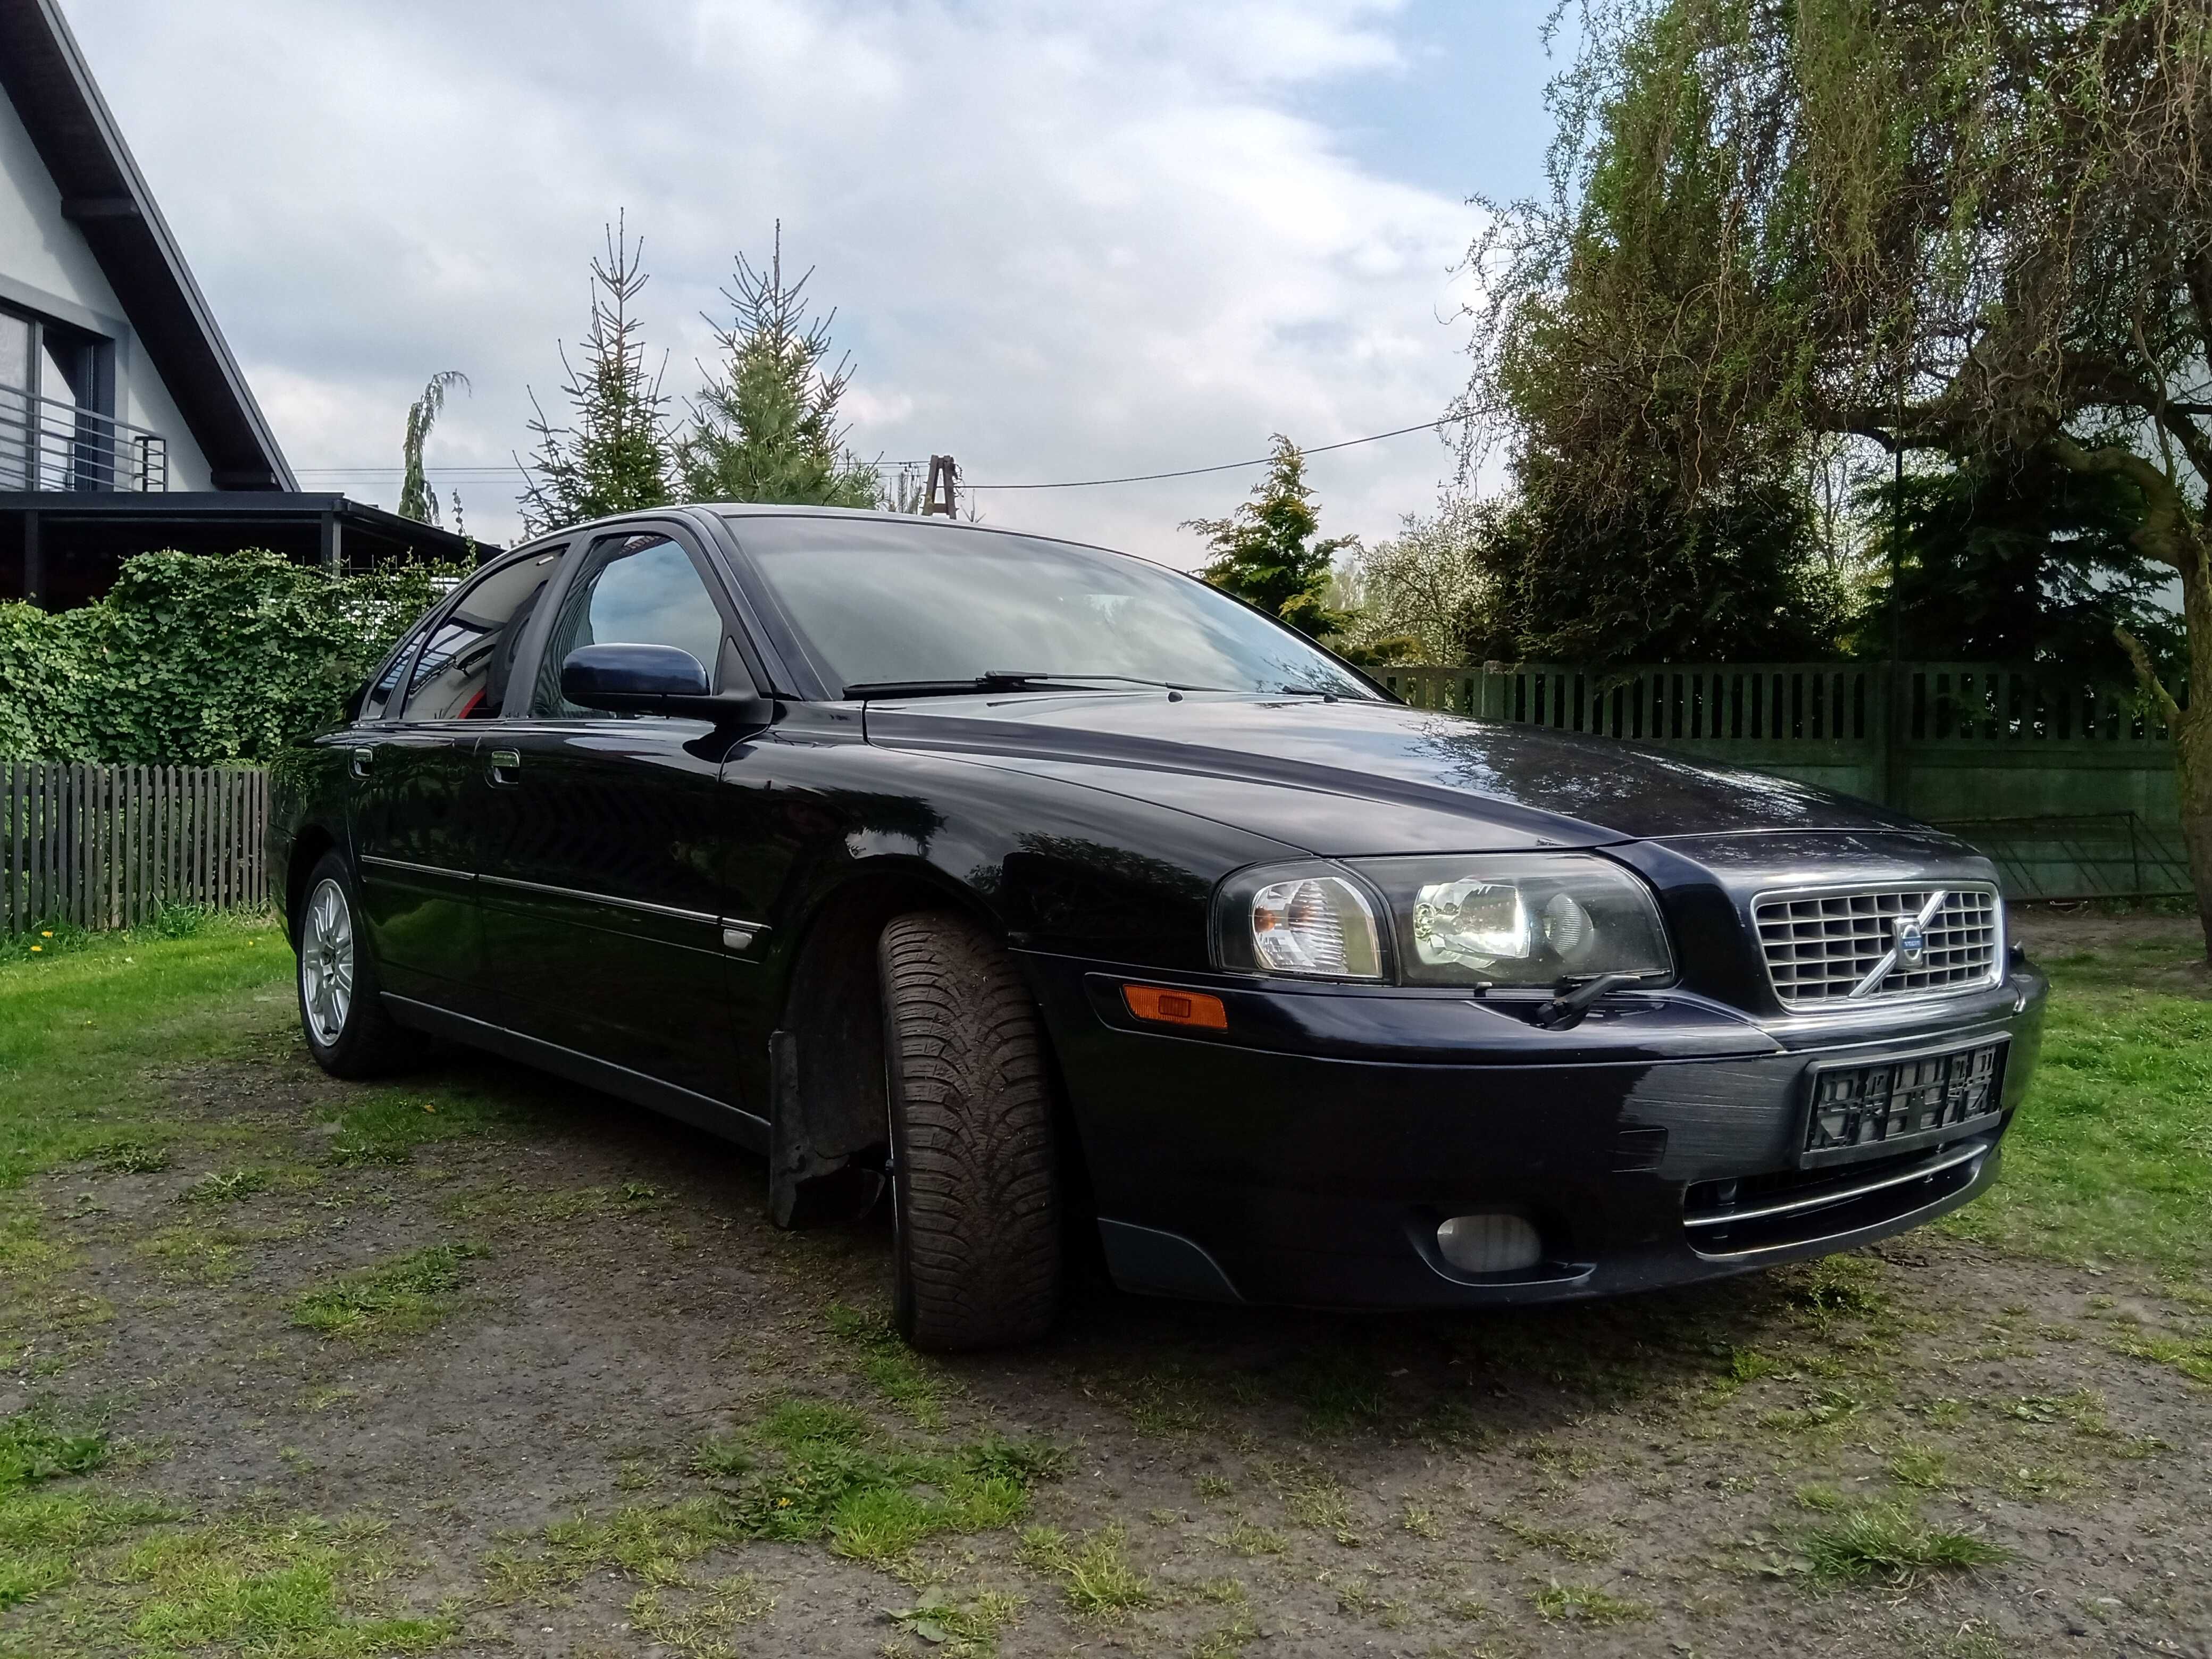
(1911, 940)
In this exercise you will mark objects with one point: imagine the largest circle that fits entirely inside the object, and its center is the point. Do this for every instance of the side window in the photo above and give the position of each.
(378, 697)
(634, 589)
(462, 671)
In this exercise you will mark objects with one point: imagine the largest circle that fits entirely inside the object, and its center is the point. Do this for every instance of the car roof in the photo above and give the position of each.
(796, 510)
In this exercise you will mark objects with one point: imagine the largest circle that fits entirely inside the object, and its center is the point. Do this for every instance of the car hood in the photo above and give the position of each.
(1314, 772)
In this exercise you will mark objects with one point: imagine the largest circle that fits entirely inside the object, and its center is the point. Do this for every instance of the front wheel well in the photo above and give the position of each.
(827, 1056)
(828, 1105)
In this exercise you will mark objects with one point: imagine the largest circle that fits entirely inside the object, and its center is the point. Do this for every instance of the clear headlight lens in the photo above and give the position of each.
(1519, 918)
(1300, 920)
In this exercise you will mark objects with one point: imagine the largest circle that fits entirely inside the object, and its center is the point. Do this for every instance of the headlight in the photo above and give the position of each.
(1519, 918)
(1300, 918)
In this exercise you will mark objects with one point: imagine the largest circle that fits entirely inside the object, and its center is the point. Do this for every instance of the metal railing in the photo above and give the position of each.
(46, 444)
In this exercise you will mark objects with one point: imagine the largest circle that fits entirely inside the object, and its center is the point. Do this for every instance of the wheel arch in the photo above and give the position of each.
(826, 1049)
(308, 847)
(826, 1090)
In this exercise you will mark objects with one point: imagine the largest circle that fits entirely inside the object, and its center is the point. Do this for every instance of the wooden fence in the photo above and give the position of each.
(2067, 784)
(108, 846)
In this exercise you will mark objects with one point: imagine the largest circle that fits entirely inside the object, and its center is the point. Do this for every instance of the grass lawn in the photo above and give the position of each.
(472, 1361)
(2111, 1157)
(86, 1018)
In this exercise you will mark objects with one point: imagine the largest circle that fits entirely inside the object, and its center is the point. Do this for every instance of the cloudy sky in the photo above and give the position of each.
(1064, 239)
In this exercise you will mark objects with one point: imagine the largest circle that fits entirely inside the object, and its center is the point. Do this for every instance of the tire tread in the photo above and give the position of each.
(971, 1105)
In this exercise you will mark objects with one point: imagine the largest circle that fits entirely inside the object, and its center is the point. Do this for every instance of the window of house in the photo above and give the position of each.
(57, 405)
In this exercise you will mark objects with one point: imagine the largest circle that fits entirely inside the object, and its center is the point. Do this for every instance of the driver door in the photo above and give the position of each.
(608, 849)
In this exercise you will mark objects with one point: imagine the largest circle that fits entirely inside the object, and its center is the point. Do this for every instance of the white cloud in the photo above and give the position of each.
(1064, 240)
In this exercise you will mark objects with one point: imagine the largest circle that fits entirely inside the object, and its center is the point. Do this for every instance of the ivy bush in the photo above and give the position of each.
(197, 660)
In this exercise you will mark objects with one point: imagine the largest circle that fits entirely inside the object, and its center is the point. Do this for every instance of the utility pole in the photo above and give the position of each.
(941, 468)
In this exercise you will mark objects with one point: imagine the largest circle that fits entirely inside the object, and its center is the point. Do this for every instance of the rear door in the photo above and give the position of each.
(608, 854)
(415, 800)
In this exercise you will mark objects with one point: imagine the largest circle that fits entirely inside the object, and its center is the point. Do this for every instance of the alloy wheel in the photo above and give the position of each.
(326, 962)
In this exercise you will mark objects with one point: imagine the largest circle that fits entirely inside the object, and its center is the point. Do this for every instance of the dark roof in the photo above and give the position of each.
(205, 507)
(45, 77)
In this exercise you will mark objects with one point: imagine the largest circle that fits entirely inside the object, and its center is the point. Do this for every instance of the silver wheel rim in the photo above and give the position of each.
(326, 962)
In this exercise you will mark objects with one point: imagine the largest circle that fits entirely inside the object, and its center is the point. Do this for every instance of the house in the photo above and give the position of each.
(126, 423)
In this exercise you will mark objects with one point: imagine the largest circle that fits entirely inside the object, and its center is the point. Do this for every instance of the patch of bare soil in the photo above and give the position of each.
(2054, 932)
(1695, 1473)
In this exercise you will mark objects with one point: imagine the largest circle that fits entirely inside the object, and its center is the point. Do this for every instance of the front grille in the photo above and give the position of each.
(1826, 949)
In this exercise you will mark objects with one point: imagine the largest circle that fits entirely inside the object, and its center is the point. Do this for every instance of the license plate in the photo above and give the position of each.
(1892, 1105)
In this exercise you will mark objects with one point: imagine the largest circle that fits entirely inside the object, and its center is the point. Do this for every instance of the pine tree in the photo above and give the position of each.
(766, 425)
(1265, 554)
(417, 500)
(618, 453)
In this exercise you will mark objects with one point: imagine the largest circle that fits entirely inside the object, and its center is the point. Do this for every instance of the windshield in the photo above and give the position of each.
(880, 605)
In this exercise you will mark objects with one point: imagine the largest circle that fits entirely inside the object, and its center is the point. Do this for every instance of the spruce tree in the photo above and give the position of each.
(766, 423)
(1265, 554)
(617, 451)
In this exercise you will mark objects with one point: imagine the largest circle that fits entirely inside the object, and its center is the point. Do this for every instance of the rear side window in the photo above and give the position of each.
(461, 672)
(378, 697)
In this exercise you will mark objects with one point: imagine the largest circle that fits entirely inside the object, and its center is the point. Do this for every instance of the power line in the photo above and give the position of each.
(1225, 466)
(509, 471)
(393, 471)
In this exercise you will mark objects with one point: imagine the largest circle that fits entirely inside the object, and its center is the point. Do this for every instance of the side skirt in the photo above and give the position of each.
(734, 1123)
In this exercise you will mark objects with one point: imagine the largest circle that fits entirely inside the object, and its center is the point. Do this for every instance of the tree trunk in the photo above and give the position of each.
(2192, 754)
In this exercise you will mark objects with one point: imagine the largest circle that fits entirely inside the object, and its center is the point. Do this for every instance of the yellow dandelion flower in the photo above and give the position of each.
(40, 947)
(44, 933)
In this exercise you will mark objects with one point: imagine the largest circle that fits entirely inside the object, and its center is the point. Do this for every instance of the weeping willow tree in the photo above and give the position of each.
(1981, 229)
(418, 500)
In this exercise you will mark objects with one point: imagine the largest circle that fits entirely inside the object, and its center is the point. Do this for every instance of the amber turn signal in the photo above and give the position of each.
(1167, 1008)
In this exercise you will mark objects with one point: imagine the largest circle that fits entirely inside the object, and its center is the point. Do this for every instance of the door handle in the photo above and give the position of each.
(362, 760)
(505, 762)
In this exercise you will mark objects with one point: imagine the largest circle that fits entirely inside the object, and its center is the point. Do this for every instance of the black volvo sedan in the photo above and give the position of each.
(1061, 895)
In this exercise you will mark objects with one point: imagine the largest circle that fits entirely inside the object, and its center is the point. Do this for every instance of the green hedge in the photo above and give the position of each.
(196, 660)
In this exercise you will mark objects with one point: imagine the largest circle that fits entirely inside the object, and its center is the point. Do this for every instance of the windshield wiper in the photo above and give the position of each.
(1001, 679)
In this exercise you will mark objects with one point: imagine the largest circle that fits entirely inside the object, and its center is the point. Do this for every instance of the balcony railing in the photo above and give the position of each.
(48, 444)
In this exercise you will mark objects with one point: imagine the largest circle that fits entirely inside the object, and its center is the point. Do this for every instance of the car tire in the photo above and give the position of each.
(975, 1183)
(341, 1014)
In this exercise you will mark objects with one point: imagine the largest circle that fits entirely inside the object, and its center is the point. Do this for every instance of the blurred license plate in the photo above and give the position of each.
(1891, 1105)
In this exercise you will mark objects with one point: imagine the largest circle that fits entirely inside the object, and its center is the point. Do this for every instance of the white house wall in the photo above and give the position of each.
(46, 265)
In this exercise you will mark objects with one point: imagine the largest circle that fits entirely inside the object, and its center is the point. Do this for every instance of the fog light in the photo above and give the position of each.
(1489, 1244)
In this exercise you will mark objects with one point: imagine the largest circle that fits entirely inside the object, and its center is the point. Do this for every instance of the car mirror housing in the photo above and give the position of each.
(654, 679)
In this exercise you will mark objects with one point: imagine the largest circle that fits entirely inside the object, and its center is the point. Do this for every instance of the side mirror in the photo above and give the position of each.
(654, 679)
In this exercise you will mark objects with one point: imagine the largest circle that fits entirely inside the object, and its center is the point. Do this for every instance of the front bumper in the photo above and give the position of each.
(1307, 1155)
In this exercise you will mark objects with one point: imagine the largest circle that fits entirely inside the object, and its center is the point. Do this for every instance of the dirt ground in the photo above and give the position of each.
(2055, 930)
(543, 1451)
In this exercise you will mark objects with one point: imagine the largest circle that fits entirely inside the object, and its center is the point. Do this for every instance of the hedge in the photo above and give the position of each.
(196, 660)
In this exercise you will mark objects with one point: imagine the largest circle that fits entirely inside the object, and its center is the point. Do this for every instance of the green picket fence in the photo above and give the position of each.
(109, 846)
(2067, 783)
